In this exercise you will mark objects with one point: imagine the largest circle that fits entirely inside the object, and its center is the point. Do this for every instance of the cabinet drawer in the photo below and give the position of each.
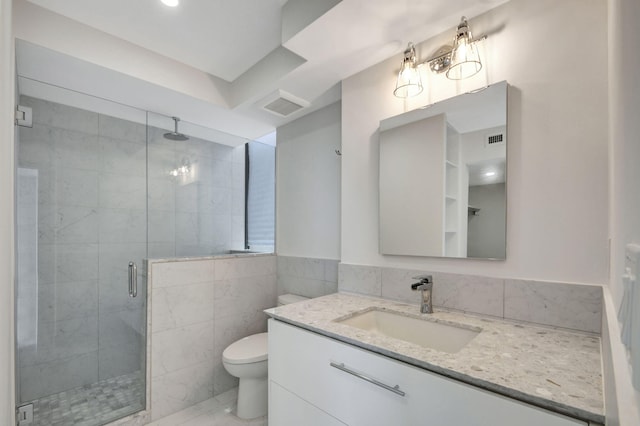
(287, 409)
(300, 361)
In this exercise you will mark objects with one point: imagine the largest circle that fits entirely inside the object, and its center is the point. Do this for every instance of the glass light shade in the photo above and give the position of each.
(465, 59)
(409, 82)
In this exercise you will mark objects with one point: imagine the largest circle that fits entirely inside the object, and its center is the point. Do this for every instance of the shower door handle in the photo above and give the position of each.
(133, 279)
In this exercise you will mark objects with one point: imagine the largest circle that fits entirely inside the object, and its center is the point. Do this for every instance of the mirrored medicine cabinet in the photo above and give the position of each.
(443, 176)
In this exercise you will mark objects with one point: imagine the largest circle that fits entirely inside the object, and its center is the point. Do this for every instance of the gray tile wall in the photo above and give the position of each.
(572, 306)
(307, 277)
(198, 308)
(199, 214)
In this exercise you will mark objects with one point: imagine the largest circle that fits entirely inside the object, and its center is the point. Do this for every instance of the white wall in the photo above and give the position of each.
(7, 94)
(557, 135)
(624, 201)
(308, 186)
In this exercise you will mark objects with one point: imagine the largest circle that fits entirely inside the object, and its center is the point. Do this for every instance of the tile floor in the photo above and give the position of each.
(218, 411)
(101, 402)
(91, 405)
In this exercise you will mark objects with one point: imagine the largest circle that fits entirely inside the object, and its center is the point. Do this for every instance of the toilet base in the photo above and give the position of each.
(252, 398)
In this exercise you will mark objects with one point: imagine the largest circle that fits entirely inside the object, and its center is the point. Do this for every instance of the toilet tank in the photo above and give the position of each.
(286, 299)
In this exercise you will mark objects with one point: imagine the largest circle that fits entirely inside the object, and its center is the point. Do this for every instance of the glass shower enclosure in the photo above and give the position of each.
(81, 232)
(97, 193)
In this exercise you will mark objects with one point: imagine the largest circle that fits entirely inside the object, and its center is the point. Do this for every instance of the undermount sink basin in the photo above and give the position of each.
(440, 336)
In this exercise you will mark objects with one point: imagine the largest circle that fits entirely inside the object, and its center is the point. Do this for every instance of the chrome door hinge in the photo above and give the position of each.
(24, 116)
(25, 415)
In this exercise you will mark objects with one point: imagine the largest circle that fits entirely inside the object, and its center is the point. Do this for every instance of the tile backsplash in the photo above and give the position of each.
(199, 306)
(572, 306)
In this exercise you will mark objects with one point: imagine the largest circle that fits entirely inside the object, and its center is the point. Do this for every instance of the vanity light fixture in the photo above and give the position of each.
(409, 82)
(459, 61)
(465, 59)
(170, 3)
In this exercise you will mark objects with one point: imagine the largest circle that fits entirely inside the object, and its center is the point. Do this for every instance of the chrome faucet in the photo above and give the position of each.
(426, 286)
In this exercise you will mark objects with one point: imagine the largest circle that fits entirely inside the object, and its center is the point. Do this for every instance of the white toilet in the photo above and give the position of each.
(246, 359)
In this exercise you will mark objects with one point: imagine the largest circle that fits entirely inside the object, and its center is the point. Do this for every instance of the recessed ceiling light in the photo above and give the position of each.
(489, 174)
(170, 3)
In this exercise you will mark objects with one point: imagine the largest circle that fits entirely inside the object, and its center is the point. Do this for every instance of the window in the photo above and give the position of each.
(260, 196)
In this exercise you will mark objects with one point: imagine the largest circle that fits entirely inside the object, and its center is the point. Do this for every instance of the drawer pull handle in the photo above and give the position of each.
(395, 389)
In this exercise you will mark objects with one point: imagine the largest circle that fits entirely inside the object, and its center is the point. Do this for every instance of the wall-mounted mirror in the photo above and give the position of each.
(443, 178)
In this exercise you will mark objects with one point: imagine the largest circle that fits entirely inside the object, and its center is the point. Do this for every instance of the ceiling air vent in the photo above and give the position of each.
(283, 104)
(495, 139)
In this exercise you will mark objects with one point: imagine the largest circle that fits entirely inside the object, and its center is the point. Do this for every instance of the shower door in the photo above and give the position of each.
(81, 212)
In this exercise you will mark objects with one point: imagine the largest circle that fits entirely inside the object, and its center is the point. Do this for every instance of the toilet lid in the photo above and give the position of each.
(247, 350)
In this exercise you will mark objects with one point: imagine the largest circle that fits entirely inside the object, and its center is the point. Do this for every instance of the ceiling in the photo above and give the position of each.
(222, 37)
(247, 52)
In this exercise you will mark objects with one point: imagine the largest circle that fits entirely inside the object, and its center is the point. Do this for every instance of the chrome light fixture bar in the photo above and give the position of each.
(459, 61)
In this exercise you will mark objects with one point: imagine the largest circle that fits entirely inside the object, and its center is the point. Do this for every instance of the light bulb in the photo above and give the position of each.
(409, 82)
(170, 3)
(465, 59)
(408, 73)
(462, 48)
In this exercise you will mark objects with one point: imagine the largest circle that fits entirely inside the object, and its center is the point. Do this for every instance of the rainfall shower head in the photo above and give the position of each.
(175, 136)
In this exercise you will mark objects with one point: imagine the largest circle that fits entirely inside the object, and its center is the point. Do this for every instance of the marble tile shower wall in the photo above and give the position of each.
(572, 306)
(201, 213)
(198, 307)
(307, 277)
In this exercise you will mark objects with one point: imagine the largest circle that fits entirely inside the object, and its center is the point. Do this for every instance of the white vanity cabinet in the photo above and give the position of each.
(304, 385)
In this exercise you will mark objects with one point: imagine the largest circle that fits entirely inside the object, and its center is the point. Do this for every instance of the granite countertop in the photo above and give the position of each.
(548, 367)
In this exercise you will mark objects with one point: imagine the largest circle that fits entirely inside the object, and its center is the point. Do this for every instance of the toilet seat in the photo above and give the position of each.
(247, 350)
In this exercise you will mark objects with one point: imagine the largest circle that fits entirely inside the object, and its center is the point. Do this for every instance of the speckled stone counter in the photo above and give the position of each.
(550, 368)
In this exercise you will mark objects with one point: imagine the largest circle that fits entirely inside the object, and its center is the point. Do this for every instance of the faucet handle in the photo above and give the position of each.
(426, 282)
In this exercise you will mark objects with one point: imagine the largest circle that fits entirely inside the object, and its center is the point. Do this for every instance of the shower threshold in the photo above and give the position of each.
(91, 405)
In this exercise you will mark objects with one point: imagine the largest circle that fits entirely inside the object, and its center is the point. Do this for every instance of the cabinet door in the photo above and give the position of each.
(286, 409)
(300, 361)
